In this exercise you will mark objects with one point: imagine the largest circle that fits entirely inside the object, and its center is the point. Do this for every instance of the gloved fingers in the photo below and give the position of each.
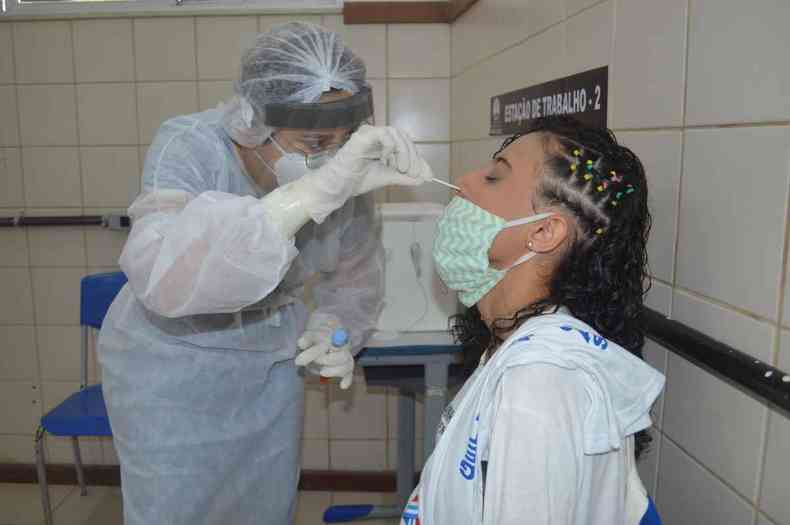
(339, 370)
(334, 358)
(306, 341)
(311, 354)
(346, 381)
(405, 152)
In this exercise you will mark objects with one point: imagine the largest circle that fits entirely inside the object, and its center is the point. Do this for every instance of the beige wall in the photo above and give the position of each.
(79, 103)
(699, 89)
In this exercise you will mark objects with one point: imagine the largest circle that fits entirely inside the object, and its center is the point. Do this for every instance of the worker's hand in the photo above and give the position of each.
(318, 353)
(399, 163)
(374, 157)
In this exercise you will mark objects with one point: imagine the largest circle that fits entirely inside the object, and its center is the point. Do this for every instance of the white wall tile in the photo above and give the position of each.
(392, 414)
(719, 425)
(647, 77)
(220, 44)
(315, 454)
(164, 48)
(104, 246)
(379, 89)
(728, 326)
(491, 26)
(738, 79)
(212, 92)
(316, 412)
(59, 351)
(60, 450)
(358, 455)
(438, 158)
(310, 507)
(13, 246)
(21, 415)
(52, 177)
(719, 253)
(762, 520)
(109, 453)
(48, 115)
(55, 392)
(421, 108)
(267, 22)
(647, 465)
(429, 42)
(57, 295)
(107, 114)
(16, 301)
(158, 102)
(688, 495)
(659, 298)
(18, 353)
(472, 155)
(110, 175)
(57, 246)
(103, 50)
(473, 89)
(16, 449)
(656, 356)
(774, 500)
(9, 125)
(660, 154)
(783, 361)
(359, 412)
(589, 38)
(43, 52)
(574, 6)
(368, 41)
(11, 189)
(7, 58)
(392, 454)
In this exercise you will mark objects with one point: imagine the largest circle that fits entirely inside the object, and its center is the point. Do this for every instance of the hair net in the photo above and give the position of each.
(293, 63)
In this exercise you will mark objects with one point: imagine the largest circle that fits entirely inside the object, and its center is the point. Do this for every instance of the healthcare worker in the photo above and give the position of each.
(239, 207)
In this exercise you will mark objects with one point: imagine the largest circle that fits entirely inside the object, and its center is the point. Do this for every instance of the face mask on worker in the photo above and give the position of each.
(460, 251)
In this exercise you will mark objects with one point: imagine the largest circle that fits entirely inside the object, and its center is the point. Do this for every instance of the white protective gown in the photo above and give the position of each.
(197, 350)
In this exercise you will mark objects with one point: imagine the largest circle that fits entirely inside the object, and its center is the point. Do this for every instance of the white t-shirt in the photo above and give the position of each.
(542, 433)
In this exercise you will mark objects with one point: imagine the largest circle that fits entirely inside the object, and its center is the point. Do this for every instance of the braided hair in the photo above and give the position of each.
(603, 275)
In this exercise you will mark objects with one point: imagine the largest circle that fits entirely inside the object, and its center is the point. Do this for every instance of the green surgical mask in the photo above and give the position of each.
(460, 251)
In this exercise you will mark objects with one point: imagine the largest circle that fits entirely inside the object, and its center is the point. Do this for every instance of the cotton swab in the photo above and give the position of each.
(447, 184)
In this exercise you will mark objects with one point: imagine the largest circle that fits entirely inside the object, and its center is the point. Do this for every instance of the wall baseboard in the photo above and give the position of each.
(110, 476)
(445, 12)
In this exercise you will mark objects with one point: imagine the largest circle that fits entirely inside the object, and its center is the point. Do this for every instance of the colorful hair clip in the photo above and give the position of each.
(599, 231)
(576, 153)
(573, 166)
(601, 187)
(616, 177)
(630, 189)
(588, 176)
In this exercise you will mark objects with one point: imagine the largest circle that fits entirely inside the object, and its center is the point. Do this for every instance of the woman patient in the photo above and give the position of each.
(547, 246)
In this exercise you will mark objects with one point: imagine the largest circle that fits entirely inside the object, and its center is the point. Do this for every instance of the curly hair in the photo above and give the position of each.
(603, 275)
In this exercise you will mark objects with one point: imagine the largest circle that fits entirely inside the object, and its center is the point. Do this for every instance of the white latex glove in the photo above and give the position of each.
(372, 158)
(318, 351)
(400, 164)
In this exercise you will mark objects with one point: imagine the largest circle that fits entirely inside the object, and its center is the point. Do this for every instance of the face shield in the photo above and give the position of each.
(315, 131)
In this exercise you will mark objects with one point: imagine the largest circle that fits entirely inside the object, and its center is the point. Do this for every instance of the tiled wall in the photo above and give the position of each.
(79, 102)
(700, 90)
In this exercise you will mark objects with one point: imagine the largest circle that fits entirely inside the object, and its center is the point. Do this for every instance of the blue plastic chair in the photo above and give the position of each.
(84, 412)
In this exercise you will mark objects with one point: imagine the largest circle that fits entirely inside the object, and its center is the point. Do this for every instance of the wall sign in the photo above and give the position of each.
(583, 96)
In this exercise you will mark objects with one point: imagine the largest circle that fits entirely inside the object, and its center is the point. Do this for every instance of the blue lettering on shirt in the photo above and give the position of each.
(589, 338)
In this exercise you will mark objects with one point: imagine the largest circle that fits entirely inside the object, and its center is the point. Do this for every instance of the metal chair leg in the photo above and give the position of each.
(78, 465)
(42, 476)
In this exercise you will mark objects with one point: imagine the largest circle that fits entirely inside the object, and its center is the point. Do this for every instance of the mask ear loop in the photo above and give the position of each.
(520, 222)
